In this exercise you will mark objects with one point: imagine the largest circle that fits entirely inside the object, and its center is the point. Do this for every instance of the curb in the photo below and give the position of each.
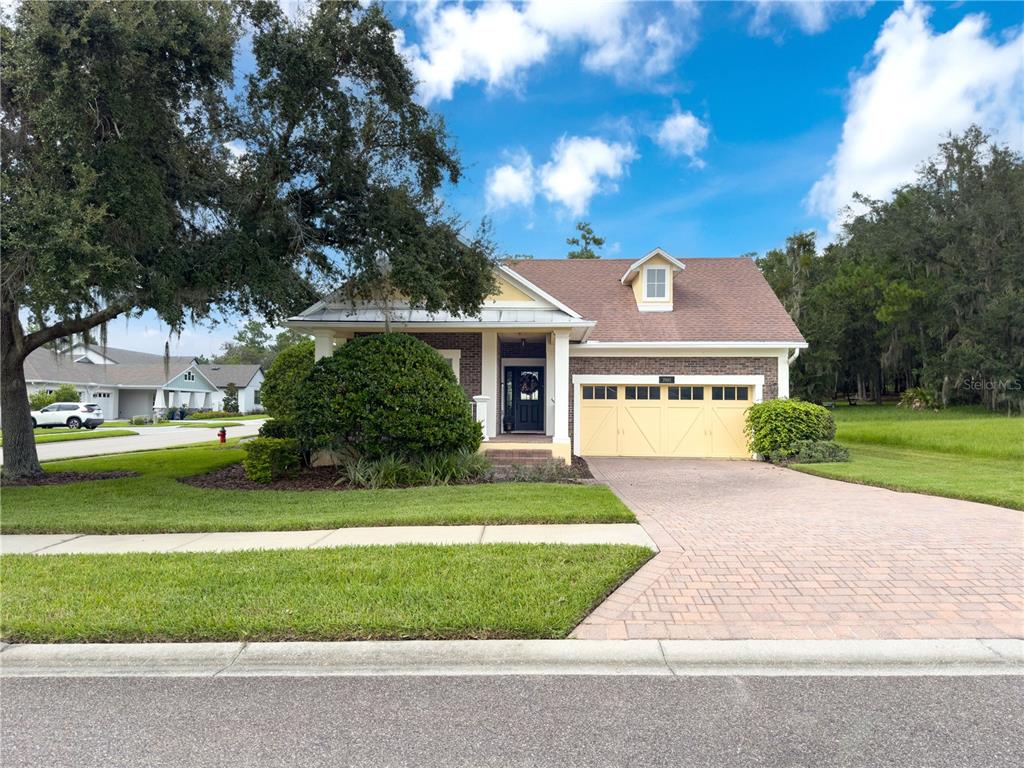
(519, 657)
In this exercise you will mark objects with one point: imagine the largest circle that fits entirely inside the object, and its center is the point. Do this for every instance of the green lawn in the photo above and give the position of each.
(157, 502)
(434, 592)
(62, 434)
(205, 424)
(235, 422)
(963, 453)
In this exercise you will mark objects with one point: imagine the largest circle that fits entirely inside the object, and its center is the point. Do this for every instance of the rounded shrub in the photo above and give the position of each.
(775, 425)
(385, 395)
(284, 378)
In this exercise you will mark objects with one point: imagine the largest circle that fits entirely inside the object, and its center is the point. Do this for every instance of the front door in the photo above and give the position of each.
(524, 388)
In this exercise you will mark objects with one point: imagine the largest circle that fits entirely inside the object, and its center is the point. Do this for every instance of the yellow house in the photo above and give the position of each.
(656, 356)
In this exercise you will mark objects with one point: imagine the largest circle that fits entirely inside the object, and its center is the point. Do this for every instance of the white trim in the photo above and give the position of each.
(530, 287)
(579, 379)
(783, 375)
(561, 385)
(650, 306)
(455, 356)
(468, 325)
(693, 344)
(634, 268)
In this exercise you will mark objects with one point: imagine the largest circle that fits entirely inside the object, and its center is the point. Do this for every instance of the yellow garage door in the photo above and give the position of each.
(664, 420)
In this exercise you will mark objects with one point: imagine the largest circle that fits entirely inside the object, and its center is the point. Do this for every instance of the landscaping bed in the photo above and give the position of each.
(63, 478)
(155, 501)
(233, 478)
(364, 593)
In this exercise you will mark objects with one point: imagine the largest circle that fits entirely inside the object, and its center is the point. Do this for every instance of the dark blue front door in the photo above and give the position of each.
(524, 398)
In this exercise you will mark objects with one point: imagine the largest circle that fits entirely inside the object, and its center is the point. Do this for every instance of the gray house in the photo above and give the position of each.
(126, 383)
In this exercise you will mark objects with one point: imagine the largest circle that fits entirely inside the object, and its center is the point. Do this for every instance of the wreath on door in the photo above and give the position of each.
(528, 383)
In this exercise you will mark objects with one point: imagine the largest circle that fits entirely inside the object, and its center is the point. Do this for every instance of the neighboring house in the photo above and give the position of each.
(604, 357)
(248, 379)
(126, 383)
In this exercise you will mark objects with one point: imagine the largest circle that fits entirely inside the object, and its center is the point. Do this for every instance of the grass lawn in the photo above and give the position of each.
(205, 424)
(962, 453)
(156, 502)
(434, 592)
(235, 422)
(59, 435)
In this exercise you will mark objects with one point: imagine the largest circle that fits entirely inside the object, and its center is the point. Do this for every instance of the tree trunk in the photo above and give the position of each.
(20, 457)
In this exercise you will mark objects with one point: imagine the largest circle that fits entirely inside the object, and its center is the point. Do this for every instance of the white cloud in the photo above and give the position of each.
(495, 43)
(811, 17)
(513, 183)
(682, 133)
(918, 87)
(581, 167)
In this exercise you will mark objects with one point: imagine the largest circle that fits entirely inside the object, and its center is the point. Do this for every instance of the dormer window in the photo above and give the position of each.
(656, 282)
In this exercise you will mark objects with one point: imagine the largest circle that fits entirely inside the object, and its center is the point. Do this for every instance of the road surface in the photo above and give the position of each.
(512, 721)
(147, 439)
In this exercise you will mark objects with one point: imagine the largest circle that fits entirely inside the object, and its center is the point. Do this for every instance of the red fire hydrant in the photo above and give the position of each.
(222, 433)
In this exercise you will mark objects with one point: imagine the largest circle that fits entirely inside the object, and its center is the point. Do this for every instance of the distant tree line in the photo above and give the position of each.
(923, 290)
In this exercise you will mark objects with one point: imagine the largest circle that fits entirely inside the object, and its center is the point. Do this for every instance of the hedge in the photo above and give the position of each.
(775, 425)
(269, 458)
(285, 378)
(387, 394)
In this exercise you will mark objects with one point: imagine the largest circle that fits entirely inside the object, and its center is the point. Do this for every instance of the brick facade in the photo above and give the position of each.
(470, 361)
(675, 366)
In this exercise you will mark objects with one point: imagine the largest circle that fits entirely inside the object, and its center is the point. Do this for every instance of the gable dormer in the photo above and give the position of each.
(651, 279)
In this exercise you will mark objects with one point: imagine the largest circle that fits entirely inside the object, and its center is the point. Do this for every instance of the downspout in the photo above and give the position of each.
(794, 356)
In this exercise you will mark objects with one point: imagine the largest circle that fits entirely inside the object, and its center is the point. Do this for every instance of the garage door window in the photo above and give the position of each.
(729, 393)
(686, 393)
(600, 393)
(643, 393)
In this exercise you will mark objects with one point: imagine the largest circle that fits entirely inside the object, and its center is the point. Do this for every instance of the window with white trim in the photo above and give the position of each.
(452, 357)
(656, 283)
(189, 376)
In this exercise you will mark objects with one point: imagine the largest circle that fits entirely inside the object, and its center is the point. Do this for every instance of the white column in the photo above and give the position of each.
(549, 384)
(489, 377)
(482, 412)
(323, 344)
(159, 403)
(561, 434)
(783, 375)
(208, 401)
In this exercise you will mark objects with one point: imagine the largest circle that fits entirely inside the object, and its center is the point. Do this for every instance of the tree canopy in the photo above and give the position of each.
(586, 242)
(140, 173)
(925, 289)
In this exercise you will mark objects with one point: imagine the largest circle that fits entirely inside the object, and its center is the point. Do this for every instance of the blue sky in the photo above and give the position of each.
(710, 129)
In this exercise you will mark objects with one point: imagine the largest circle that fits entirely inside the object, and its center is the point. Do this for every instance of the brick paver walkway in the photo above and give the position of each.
(749, 550)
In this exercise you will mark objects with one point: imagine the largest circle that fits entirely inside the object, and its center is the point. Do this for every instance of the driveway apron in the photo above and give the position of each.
(749, 550)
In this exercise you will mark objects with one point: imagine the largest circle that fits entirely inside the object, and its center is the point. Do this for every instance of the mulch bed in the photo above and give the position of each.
(63, 478)
(232, 478)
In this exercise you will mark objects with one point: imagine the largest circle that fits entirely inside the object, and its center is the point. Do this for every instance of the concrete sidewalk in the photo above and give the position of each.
(234, 541)
(519, 657)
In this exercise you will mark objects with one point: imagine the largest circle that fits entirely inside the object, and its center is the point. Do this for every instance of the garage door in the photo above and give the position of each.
(664, 420)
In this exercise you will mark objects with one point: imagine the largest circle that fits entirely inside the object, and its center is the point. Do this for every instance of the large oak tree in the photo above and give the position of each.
(140, 172)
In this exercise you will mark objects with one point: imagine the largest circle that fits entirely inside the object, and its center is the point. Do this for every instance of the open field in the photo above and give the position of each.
(155, 502)
(402, 592)
(963, 453)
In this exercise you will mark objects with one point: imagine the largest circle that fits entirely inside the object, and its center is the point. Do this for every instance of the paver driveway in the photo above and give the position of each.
(749, 550)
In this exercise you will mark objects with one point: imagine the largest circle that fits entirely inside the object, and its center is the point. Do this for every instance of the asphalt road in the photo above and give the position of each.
(147, 439)
(513, 721)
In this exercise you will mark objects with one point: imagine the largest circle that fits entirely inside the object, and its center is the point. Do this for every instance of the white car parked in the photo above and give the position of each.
(70, 415)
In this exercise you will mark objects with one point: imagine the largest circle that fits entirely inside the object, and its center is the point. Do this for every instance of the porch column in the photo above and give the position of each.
(561, 434)
(489, 378)
(783, 392)
(549, 389)
(159, 403)
(323, 344)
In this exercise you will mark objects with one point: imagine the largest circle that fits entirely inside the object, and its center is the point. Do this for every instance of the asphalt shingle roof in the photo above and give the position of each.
(724, 299)
(140, 368)
(222, 375)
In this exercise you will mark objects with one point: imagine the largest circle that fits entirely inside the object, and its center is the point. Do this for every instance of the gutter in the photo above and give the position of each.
(794, 356)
